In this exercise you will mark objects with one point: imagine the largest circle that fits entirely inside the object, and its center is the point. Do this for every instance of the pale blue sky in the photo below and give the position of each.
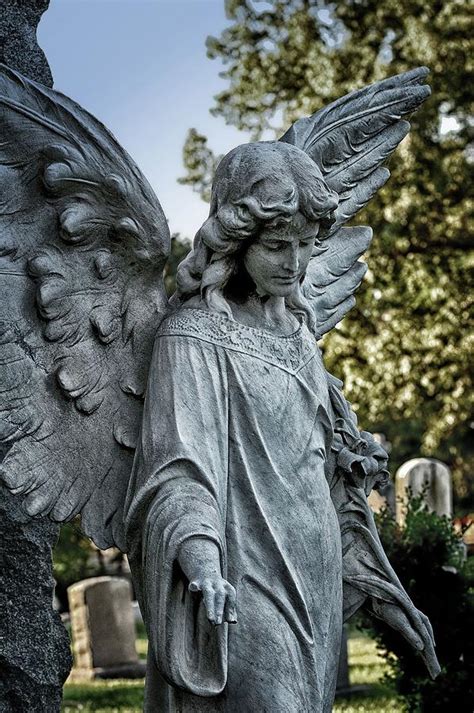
(140, 66)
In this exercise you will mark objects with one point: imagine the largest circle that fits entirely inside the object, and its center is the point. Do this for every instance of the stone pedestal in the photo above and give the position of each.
(103, 629)
(428, 476)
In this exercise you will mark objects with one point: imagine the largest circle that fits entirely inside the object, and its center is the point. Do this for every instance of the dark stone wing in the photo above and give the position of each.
(350, 140)
(83, 242)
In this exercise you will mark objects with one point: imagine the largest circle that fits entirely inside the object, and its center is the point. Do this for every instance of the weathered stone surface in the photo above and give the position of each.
(103, 629)
(230, 500)
(19, 48)
(426, 476)
(34, 646)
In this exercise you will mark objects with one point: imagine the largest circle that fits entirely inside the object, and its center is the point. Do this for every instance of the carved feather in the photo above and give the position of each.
(84, 241)
(350, 140)
(334, 274)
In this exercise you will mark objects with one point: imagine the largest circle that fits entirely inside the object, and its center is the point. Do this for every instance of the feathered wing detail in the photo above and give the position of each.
(356, 465)
(334, 274)
(83, 242)
(349, 140)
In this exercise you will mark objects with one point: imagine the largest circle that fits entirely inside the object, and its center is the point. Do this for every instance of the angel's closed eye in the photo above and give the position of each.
(275, 244)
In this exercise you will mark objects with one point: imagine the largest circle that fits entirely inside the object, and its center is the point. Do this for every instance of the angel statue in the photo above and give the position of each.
(226, 462)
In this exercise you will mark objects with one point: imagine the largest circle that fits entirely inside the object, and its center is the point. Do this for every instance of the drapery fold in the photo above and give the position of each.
(178, 491)
(233, 447)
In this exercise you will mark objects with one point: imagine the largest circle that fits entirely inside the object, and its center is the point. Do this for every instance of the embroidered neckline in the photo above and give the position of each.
(289, 351)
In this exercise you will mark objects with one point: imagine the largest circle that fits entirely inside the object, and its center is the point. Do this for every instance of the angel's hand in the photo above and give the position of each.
(199, 559)
(219, 598)
(416, 629)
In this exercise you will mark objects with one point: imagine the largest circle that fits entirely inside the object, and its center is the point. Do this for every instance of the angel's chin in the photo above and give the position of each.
(282, 289)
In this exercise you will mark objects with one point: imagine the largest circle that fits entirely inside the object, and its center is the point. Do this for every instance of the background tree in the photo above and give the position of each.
(403, 352)
(179, 249)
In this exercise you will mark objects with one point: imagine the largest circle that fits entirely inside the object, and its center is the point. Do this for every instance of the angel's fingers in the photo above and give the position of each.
(423, 628)
(397, 619)
(431, 661)
(219, 601)
(411, 633)
(194, 586)
(230, 609)
(427, 623)
(428, 652)
(208, 596)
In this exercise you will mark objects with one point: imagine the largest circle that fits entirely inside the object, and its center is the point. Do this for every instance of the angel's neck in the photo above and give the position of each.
(265, 312)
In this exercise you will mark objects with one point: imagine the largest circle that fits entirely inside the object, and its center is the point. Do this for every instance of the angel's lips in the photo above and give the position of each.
(285, 278)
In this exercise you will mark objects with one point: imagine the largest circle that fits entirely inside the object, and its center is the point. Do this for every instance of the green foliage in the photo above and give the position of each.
(179, 249)
(403, 352)
(73, 559)
(428, 558)
(357, 704)
(114, 696)
(200, 164)
(126, 696)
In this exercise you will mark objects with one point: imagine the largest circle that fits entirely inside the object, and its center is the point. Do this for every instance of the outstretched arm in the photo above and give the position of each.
(176, 514)
(358, 464)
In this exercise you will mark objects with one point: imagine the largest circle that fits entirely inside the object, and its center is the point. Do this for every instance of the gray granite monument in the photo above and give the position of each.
(224, 460)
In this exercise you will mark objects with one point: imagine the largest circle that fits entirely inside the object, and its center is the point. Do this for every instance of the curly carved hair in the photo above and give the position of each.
(257, 184)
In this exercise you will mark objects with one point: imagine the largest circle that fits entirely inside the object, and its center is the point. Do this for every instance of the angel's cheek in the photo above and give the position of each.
(260, 263)
(304, 258)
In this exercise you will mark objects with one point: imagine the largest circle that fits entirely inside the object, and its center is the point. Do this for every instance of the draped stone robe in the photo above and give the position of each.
(235, 439)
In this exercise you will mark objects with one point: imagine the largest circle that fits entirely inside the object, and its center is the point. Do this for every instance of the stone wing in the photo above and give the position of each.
(350, 140)
(83, 242)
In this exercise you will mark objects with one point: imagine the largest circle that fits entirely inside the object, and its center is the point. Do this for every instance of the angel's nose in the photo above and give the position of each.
(291, 262)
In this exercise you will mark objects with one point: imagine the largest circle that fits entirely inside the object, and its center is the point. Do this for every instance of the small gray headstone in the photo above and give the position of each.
(103, 629)
(424, 475)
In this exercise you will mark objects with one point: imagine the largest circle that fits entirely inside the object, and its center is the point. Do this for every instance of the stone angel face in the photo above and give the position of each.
(270, 207)
(83, 245)
(277, 259)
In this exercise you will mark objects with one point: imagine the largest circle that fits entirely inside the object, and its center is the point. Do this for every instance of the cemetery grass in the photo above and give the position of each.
(126, 696)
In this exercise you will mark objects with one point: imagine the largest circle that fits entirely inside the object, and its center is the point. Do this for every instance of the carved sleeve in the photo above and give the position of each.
(357, 465)
(178, 491)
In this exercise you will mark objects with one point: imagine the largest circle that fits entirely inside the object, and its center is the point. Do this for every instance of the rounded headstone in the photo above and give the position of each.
(103, 628)
(426, 476)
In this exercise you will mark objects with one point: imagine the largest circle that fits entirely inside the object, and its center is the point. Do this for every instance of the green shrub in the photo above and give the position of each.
(428, 557)
(74, 558)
